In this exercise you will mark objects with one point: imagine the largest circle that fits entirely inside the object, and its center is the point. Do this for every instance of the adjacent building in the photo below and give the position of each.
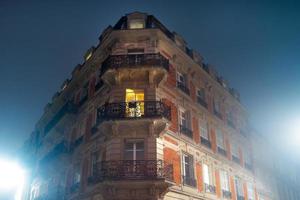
(144, 118)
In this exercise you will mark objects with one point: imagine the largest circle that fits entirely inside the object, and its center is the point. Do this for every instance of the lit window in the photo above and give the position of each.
(224, 180)
(207, 175)
(250, 191)
(238, 187)
(136, 24)
(134, 103)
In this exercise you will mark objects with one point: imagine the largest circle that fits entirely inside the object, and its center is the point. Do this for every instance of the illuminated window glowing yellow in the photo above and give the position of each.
(134, 103)
(136, 24)
(88, 56)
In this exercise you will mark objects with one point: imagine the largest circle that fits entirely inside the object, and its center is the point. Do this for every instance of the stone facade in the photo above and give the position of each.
(144, 118)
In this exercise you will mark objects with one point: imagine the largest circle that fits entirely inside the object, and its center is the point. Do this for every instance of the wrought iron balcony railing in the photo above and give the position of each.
(131, 170)
(222, 151)
(186, 131)
(226, 194)
(205, 142)
(191, 181)
(137, 109)
(210, 188)
(202, 102)
(183, 87)
(236, 159)
(134, 60)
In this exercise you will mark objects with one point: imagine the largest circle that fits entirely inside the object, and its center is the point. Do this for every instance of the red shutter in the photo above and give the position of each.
(218, 183)
(171, 79)
(199, 174)
(245, 190)
(196, 135)
(232, 189)
(171, 157)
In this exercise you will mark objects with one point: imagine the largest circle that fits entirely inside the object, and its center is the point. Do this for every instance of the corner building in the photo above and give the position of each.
(143, 118)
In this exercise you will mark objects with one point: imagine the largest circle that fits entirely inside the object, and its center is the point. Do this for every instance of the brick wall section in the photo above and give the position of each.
(199, 174)
(174, 115)
(171, 79)
(92, 86)
(196, 134)
(232, 189)
(171, 157)
(193, 91)
(170, 140)
(218, 183)
(245, 190)
(241, 156)
(228, 148)
(88, 126)
(213, 140)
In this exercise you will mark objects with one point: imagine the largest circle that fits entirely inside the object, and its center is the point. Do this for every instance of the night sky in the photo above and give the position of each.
(255, 45)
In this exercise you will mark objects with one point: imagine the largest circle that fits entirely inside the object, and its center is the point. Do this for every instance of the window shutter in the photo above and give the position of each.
(232, 188)
(199, 176)
(218, 185)
(245, 190)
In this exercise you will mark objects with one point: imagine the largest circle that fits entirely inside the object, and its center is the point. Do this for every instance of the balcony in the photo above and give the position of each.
(132, 170)
(210, 188)
(186, 131)
(183, 87)
(226, 194)
(133, 110)
(145, 63)
(205, 142)
(68, 108)
(202, 102)
(222, 151)
(236, 159)
(190, 181)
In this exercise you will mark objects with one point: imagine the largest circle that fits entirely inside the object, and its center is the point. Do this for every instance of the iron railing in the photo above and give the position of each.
(183, 87)
(226, 194)
(191, 181)
(134, 60)
(210, 188)
(186, 131)
(131, 170)
(205, 142)
(137, 109)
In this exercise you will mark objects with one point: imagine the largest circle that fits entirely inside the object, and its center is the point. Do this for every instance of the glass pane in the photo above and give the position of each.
(128, 155)
(140, 145)
(140, 155)
(129, 146)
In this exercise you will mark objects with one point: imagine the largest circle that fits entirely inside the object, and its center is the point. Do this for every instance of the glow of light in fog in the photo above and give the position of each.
(12, 178)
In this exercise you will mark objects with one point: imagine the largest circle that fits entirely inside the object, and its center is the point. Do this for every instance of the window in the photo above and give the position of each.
(182, 83)
(220, 139)
(136, 24)
(134, 103)
(250, 191)
(188, 170)
(216, 105)
(185, 123)
(235, 152)
(207, 175)
(77, 175)
(134, 150)
(201, 94)
(95, 161)
(224, 180)
(204, 130)
(238, 187)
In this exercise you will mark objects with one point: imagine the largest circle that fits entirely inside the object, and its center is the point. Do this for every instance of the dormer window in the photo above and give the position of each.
(136, 24)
